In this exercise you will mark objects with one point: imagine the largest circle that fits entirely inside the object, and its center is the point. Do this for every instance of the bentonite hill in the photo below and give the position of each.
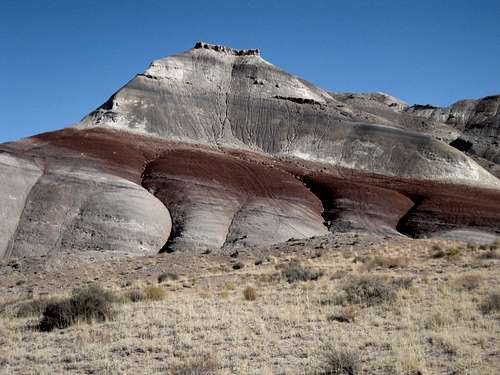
(215, 147)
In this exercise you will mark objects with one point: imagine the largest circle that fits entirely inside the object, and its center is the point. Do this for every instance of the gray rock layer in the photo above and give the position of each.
(218, 98)
(63, 208)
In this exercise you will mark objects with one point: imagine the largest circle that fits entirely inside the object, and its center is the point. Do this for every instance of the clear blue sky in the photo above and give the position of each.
(60, 59)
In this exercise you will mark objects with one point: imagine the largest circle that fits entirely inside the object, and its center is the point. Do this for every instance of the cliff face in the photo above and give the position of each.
(215, 147)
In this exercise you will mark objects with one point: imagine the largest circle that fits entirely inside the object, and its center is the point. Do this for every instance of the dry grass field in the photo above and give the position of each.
(357, 304)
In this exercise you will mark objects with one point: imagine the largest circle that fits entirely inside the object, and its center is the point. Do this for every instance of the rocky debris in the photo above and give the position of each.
(228, 50)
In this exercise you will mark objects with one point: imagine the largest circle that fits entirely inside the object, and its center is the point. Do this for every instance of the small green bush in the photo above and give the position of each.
(453, 252)
(91, 304)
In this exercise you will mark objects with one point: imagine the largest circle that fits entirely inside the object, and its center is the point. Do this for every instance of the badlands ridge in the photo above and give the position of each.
(215, 147)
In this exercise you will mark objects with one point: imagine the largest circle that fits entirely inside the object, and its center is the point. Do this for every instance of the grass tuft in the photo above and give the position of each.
(454, 252)
(341, 362)
(385, 262)
(205, 365)
(249, 293)
(155, 293)
(134, 295)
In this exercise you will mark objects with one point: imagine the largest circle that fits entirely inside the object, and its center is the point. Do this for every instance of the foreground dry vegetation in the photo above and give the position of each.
(360, 305)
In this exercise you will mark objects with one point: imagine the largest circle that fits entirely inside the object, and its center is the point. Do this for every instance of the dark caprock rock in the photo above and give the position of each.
(215, 147)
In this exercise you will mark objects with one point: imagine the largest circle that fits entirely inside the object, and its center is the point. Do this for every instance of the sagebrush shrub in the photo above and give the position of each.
(372, 290)
(87, 304)
(298, 273)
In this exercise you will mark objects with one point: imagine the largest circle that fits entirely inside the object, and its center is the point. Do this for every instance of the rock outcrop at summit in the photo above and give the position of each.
(215, 147)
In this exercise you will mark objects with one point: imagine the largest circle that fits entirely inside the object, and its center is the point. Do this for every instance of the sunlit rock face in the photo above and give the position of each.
(56, 206)
(220, 200)
(217, 148)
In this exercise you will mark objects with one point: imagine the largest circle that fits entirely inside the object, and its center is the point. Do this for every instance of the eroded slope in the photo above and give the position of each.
(215, 147)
